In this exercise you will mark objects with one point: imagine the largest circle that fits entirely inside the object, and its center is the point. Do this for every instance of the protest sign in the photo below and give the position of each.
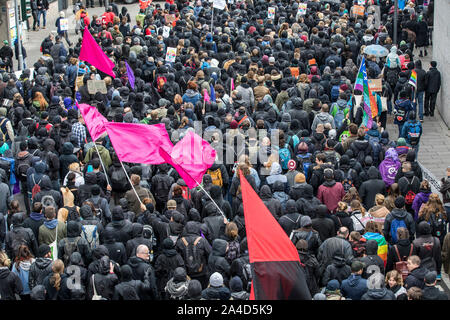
(375, 85)
(271, 13)
(95, 86)
(171, 54)
(64, 24)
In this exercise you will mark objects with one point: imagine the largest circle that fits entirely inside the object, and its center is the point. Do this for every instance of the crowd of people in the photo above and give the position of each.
(352, 199)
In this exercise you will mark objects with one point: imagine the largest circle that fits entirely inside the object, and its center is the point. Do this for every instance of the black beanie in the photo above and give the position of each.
(399, 202)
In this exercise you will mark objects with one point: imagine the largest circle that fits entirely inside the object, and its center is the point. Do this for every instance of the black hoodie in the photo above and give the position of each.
(271, 203)
(74, 236)
(217, 261)
(370, 188)
(103, 280)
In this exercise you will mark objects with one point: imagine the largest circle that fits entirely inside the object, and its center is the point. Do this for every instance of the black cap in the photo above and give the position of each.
(430, 277)
(399, 202)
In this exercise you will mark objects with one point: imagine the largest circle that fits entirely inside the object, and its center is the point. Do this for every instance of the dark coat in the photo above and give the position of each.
(371, 187)
(433, 80)
(354, 287)
(416, 278)
(39, 270)
(217, 261)
(140, 268)
(10, 284)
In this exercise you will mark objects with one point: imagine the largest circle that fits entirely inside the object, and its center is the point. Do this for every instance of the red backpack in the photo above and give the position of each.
(410, 195)
(402, 266)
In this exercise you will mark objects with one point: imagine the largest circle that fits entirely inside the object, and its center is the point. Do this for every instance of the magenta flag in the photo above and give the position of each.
(93, 119)
(139, 143)
(232, 84)
(191, 157)
(92, 53)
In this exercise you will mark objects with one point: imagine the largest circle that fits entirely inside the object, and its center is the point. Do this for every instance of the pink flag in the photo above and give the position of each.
(92, 53)
(206, 96)
(139, 143)
(93, 119)
(232, 84)
(191, 157)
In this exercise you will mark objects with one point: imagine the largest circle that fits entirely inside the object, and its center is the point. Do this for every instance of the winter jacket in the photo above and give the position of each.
(19, 235)
(273, 205)
(291, 219)
(10, 284)
(166, 263)
(404, 249)
(398, 214)
(354, 287)
(337, 270)
(433, 80)
(310, 235)
(433, 293)
(47, 232)
(342, 219)
(39, 270)
(82, 246)
(332, 246)
(323, 117)
(370, 188)
(47, 190)
(416, 278)
(213, 293)
(330, 193)
(379, 294)
(103, 280)
(217, 261)
(33, 222)
(133, 203)
(140, 267)
(120, 227)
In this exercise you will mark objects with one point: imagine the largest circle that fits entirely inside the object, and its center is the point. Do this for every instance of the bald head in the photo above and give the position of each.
(142, 252)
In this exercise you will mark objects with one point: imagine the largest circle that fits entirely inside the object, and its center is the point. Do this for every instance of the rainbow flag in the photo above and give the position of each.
(382, 251)
(370, 104)
(413, 79)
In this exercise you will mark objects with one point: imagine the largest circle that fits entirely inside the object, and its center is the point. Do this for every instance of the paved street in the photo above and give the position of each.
(434, 151)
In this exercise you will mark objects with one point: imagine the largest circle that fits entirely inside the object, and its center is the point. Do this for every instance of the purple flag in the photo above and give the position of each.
(130, 75)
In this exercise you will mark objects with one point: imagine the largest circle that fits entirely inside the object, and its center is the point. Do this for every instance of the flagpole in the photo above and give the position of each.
(130, 182)
(101, 161)
(198, 184)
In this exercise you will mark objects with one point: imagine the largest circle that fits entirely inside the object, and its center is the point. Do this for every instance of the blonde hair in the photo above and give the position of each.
(74, 166)
(4, 260)
(58, 269)
(379, 199)
(342, 206)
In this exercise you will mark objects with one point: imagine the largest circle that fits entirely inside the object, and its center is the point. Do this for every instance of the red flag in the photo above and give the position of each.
(276, 267)
(92, 53)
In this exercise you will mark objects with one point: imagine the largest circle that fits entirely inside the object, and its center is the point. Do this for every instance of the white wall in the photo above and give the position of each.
(441, 54)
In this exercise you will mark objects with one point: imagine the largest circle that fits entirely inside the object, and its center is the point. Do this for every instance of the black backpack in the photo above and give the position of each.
(22, 166)
(119, 180)
(192, 258)
(73, 214)
(70, 246)
(6, 165)
(162, 188)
